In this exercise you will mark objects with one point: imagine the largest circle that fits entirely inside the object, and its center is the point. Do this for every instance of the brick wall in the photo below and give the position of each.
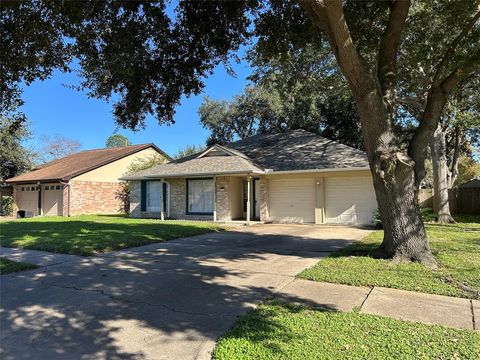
(135, 198)
(263, 199)
(94, 197)
(222, 196)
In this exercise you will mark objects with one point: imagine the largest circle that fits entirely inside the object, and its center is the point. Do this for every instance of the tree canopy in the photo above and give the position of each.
(14, 157)
(117, 140)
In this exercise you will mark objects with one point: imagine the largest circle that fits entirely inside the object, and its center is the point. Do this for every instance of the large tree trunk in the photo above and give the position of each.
(392, 170)
(441, 206)
(405, 238)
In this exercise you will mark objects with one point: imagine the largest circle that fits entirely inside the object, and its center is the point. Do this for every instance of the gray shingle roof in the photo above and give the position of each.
(295, 150)
(212, 165)
(299, 150)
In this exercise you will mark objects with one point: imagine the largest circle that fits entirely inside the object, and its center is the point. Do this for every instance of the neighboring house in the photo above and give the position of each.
(294, 176)
(83, 183)
(472, 184)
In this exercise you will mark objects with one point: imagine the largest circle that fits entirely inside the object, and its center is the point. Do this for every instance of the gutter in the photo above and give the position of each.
(160, 176)
(273, 172)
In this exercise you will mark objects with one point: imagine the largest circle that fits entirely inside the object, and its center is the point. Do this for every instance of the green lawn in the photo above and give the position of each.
(8, 266)
(281, 331)
(90, 234)
(456, 247)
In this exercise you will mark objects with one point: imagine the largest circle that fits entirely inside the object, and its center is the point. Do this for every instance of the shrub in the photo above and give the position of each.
(7, 206)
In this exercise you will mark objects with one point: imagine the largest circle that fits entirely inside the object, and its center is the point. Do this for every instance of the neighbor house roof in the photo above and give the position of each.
(79, 163)
(474, 183)
(296, 150)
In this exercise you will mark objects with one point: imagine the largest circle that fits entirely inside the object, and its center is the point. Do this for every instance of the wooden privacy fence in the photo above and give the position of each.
(464, 200)
(461, 200)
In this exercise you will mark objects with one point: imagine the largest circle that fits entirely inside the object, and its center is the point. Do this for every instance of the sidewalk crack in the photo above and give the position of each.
(366, 297)
(473, 315)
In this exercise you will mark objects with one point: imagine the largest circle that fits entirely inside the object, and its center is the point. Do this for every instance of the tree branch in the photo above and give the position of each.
(387, 54)
(460, 72)
(451, 48)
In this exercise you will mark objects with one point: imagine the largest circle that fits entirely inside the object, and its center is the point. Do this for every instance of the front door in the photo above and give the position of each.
(256, 199)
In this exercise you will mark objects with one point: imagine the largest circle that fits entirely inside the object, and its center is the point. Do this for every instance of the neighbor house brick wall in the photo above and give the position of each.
(94, 197)
(222, 198)
(66, 200)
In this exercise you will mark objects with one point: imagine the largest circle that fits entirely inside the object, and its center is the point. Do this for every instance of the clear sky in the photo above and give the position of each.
(55, 109)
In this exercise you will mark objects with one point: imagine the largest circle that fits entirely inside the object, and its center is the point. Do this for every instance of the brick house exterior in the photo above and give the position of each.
(83, 183)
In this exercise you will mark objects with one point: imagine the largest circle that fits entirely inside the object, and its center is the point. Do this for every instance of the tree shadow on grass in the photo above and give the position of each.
(86, 238)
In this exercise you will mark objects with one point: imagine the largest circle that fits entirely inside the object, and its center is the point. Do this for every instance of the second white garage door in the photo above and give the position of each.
(292, 200)
(349, 200)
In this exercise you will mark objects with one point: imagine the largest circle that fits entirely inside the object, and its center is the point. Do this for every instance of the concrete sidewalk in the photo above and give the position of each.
(40, 258)
(399, 304)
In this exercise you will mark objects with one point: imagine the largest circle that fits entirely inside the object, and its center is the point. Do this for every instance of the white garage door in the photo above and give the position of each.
(292, 200)
(28, 199)
(349, 200)
(52, 200)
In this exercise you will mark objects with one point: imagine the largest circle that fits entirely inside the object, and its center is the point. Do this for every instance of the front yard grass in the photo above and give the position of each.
(9, 266)
(280, 331)
(456, 247)
(89, 234)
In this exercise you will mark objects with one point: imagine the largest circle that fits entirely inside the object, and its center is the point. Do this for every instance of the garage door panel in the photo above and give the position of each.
(292, 200)
(28, 200)
(349, 200)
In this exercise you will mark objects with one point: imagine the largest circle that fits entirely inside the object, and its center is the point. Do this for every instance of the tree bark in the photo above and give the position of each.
(392, 170)
(441, 206)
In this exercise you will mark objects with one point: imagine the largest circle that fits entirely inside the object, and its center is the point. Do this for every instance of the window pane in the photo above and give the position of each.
(200, 196)
(154, 196)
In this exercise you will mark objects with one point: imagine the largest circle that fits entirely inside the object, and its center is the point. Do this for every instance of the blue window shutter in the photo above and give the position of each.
(143, 195)
(164, 196)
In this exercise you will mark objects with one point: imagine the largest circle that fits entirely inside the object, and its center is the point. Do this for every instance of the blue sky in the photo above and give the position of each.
(55, 109)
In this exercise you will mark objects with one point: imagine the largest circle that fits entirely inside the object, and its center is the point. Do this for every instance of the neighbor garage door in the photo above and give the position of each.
(349, 200)
(292, 200)
(28, 199)
(52, 200)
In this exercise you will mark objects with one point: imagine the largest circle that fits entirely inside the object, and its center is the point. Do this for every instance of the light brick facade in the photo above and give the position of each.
(224, 193)
(222, 196)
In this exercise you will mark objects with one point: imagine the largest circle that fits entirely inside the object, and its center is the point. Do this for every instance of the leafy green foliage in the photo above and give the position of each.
(14, 158)
(117, 140)
(90, 234)
(188, 150)
(7, 206)
(9, 266)
(277, 330)
(456, 247)
(138, 50)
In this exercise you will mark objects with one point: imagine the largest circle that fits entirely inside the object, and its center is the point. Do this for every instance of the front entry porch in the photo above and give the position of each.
(237, 198)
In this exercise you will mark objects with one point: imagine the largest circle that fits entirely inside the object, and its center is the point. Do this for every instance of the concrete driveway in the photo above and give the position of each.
(161, 301)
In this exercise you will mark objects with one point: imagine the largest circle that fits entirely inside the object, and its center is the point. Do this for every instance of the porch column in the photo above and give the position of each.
(214, 198)
(249, 186)
(162, 207)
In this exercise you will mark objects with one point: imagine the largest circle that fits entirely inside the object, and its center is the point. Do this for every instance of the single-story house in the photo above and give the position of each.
(294, 176)
(83, 183)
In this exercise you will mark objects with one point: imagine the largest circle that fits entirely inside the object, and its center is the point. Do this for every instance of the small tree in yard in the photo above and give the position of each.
(123, 194)
(136, 51)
